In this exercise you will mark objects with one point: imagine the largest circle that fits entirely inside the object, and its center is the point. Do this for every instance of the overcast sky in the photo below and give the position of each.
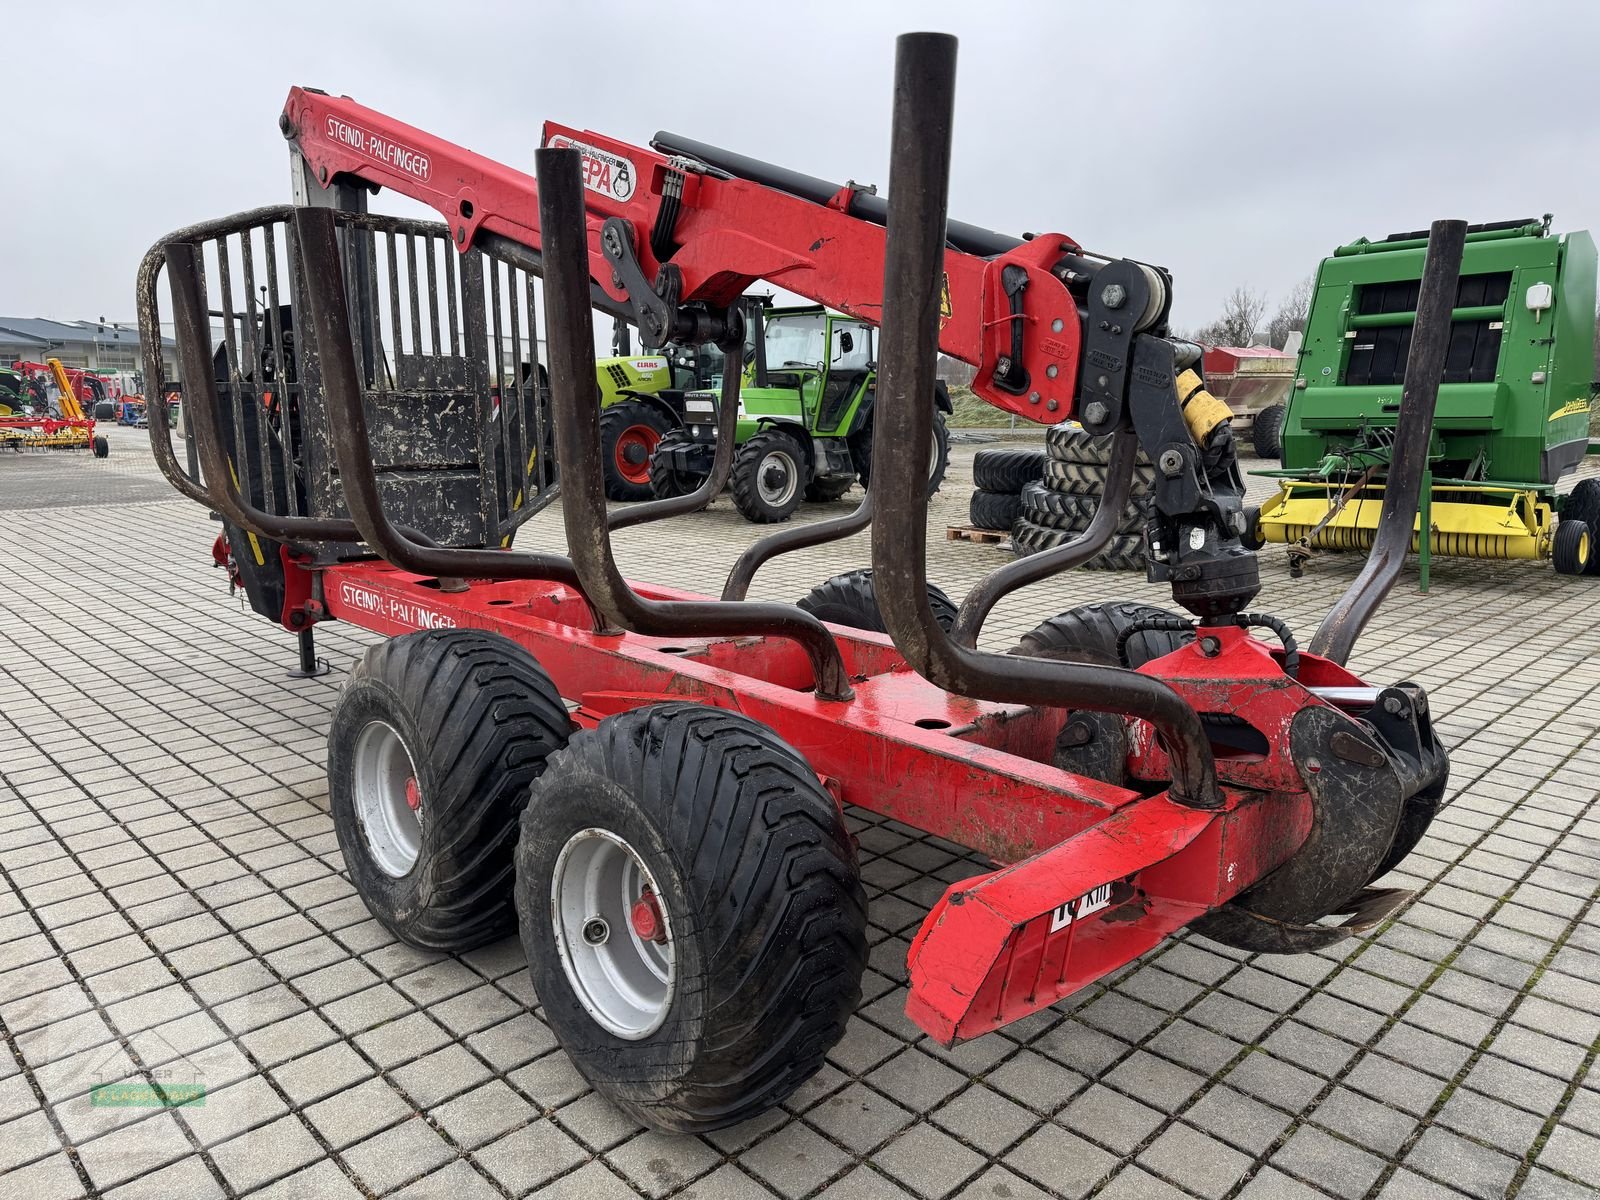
(1235, 143)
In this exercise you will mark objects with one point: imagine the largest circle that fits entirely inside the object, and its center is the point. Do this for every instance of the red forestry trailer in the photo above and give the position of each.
(650, 785)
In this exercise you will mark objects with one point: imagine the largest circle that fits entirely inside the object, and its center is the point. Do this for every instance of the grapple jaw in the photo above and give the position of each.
(1374, 786)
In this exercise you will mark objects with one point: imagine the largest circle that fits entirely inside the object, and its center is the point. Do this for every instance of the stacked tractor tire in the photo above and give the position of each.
(1049, 498)
(1000, 476)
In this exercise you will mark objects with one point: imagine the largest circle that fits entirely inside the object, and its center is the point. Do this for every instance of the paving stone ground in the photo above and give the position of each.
(174, 908)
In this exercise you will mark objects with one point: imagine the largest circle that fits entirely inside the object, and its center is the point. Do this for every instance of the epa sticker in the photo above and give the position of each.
(609, 174)
(1085, 905)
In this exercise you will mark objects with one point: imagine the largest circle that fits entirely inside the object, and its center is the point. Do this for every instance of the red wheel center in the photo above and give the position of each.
(646, 918)
(635, 445)
(413, 794)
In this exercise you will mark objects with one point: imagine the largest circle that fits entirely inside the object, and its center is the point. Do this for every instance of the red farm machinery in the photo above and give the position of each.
(650, 785)
(38, 420)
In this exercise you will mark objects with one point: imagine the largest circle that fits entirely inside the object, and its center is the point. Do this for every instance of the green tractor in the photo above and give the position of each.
(641, 398)
(805, 416)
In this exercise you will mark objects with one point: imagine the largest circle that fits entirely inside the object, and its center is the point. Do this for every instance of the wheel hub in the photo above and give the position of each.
(388, 800)
(646, 918)
(634, 447)
(776, 479)
(612, 934)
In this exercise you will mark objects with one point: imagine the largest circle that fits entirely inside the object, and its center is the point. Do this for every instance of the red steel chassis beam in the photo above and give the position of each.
(729, 234)
(1094, 875)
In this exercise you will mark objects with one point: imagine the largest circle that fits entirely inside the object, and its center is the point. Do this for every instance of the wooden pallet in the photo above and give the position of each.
(971, 533)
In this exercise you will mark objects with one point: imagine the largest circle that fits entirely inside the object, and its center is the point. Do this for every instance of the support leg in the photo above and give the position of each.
(310, 665)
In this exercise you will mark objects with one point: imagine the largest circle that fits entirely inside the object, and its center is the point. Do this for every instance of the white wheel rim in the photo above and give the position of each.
(623, 980)
(780, 493)
(385, 786)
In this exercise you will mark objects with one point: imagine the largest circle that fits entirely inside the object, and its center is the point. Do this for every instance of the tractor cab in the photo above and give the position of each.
(826, 358)
(804, 429)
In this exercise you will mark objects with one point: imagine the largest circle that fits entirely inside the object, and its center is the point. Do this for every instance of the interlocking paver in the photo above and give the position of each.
(1327, 1161)
(1462, 1164)
(1195, 1160)
(169, 872)
(407, 1151)
(795, 1160)
(861, 1118)
(355, 1113)
(1061, 1161)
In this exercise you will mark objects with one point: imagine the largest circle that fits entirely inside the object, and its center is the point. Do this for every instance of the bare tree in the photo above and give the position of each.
(1291, 314)
(1242, 311)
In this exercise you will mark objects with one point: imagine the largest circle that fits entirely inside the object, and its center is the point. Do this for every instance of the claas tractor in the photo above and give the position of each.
(1513, 411)
(650, 787)
(641, 402)
(805, 423)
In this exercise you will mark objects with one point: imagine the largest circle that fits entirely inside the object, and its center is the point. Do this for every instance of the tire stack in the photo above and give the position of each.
(1059, 507)
(1000, 476)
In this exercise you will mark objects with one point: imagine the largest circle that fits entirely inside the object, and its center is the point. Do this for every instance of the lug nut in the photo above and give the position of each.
(596, 932)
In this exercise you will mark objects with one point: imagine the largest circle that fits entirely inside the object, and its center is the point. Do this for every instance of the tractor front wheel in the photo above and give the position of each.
(666, 480)
(629, 434)
(692, 912)
(434, 741)
(770, 474)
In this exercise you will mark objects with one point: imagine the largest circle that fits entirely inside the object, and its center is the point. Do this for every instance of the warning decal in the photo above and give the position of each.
(1083, 906)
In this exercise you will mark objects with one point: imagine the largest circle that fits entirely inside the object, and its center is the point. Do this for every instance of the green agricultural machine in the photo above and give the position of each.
(1513, 408)
(805, 416)
(641, 398)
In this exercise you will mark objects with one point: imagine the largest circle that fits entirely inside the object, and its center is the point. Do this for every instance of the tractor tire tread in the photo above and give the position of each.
(1071, 442)
(1089, 633)
(994, 510)
(851, 600)
(614, 420)
(1124, 552)
(1266, 431)
(1073, 510)
(1006, 470)
(1089, 479)
(746, 487)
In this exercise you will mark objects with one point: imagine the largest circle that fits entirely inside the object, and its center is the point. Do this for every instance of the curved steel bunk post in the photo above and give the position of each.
(576, 404)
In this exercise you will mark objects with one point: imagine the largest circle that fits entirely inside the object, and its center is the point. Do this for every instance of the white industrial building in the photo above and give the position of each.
(99, 345)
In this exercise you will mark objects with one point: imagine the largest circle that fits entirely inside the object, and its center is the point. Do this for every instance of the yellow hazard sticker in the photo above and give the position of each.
(1570, 410)
(944, 298)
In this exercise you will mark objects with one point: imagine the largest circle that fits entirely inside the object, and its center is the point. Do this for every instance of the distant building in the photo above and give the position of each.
(98, 345)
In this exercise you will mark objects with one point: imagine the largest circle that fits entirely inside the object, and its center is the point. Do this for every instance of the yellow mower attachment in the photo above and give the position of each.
(1464, 520)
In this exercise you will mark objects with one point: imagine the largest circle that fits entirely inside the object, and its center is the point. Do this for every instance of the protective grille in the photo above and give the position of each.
(447, 348)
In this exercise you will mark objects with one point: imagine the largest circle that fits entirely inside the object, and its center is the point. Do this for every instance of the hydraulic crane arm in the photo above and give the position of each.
(676, 234)
(673, 236)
